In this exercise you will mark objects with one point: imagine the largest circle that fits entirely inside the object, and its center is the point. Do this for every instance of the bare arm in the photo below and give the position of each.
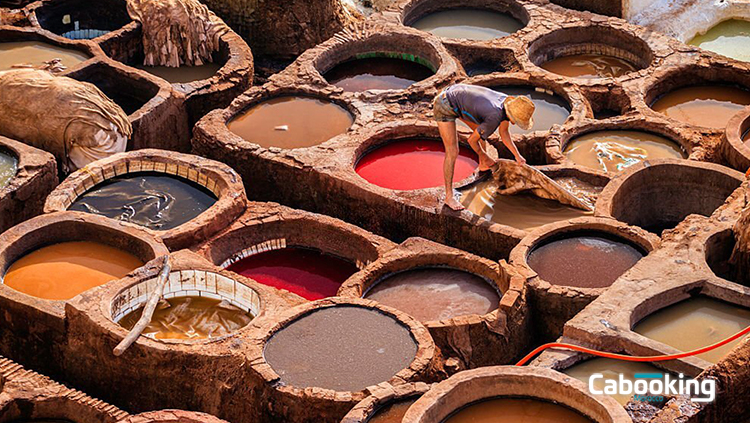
(505, 136)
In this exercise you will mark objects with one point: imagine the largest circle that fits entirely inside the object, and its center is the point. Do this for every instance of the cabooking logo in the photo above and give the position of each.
(653, 387)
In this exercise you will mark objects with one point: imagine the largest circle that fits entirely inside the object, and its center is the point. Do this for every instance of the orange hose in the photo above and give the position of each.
(628, 357)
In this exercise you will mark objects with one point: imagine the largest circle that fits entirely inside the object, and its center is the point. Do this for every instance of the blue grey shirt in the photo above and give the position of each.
(480, 105)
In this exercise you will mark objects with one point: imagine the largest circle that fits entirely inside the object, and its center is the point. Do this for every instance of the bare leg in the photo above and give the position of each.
(450, 141)
(479, 147)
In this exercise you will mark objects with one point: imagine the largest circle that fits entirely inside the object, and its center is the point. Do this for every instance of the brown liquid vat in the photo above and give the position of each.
(291, 403)
(556, 304)
(33, 329)
(78, 50)
(492, 338)
(657, 195)
(487, 383)
(35, 178)
(381, 399)
(223, 182)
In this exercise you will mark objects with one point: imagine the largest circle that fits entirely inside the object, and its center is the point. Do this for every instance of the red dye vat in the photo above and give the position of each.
(413, 164)
(307, 273)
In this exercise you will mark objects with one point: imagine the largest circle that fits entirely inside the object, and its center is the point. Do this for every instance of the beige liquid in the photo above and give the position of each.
(62, 271)
(522, 211)
(730, 38)
(696, 323)
(611, 369)
(35, 53)
(183, 74)
(469, 24)
(613, 151)
(516, 410)
(710, 106)
(392, 413)
(589, 66)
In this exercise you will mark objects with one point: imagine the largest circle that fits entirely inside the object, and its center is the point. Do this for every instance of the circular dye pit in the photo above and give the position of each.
(190, 318)
(62, 271)
(36, 53)
(182, 74)
(308, 273)
(589, 66)
(611, 369)
(515, 410)
(593, 260)
(729, 38)
(522, 211)
(709, 106)
(83, 20)
(612, 151)
(411, 164)
(434, 294)
(342, 348)
(153, 200)
(550, 110)
(377, 73)
(469, 24)
(696, 323)
(393, 412)
(8, 169)
(291, 122)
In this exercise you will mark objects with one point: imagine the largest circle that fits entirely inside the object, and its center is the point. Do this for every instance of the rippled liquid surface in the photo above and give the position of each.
(292, 122)
(393, 412)
(583, 261)
(436, 294)
(709, 106)
(413, 164)
(308, 273)
(469, 24)
(516, 410)
(190, 318)
(696, 323)
(344, 348)
(155, 201)
(613, 151)
(611, 370)
(589, 66)
(183, 74)
(36, 53)
(730, 38)
(8, 169)
(380, 73)
(522, 211)
(62, 271)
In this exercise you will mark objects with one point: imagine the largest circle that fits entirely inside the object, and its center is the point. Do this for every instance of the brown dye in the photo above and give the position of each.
(589, 66)
(291, 122)
(522, 211)
(611, 370)
(62, 271)
(516, 410)
(343, 348)
(36, 53)
(393, 412)
(696, 323)
(586, 261)
(190, 318)
(613, 151)
(436, 293)
(183, 74)
(710, 106)
(377, 73)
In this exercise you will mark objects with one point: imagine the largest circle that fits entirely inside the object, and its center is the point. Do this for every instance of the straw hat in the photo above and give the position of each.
(520, 110)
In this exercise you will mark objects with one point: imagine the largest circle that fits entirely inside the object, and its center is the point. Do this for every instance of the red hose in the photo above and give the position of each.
(628, 357)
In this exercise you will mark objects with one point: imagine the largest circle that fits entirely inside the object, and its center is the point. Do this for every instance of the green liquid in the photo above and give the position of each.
(729, 38)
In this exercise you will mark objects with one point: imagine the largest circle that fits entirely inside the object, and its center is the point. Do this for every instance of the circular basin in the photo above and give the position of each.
(378, 72)
(589, 65)
(469, 24)
(710, 106)
(729, 38)
(36, 53)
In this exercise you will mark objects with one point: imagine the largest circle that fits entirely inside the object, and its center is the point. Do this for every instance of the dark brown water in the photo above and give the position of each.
(516, 410)
(589, 66)
(436, 294)
(190, 318)
(469, 24)
(709, 106)
(155, 201)
(183, 74)
(377, 73)
(344, 348)
(590, 261)
(291, 122)
(393, 412)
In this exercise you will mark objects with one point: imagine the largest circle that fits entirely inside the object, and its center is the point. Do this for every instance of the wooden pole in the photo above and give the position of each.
(148, 310)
